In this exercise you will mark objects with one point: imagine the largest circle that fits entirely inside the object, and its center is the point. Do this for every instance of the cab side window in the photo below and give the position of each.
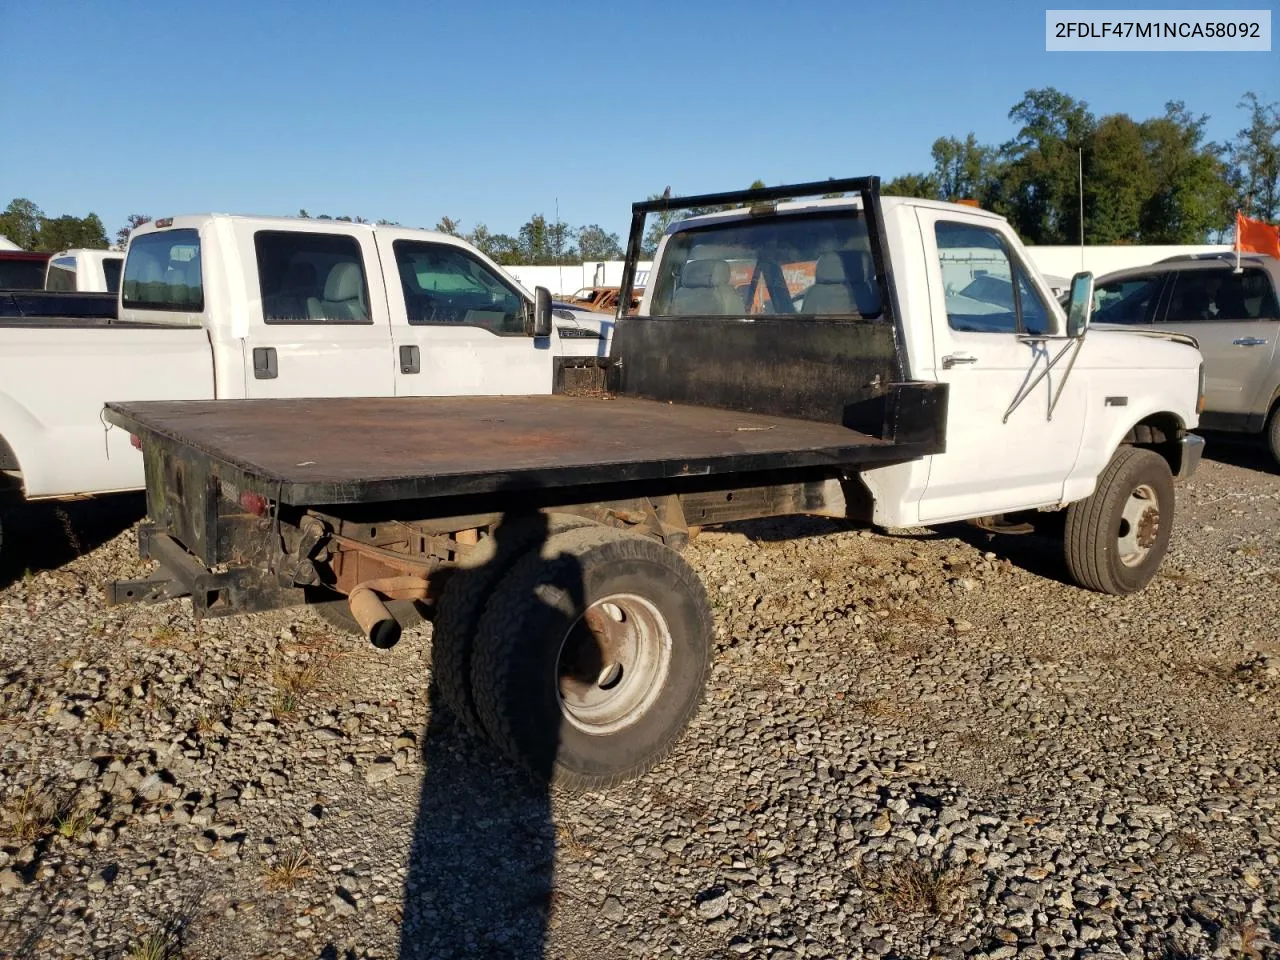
(446, 285)
(987, 290)
(1132, 300)
(1221, 295)
(311, 277)
(62, 274)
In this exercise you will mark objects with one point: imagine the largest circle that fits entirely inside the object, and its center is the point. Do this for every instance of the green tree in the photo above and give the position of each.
(921, 185)
(963, 169)
(1117, 181)
(67, 232)
(20, 222)
(1040, 179)
(595, 244)
(450, 226)
(1190, 195)
(1254, 157)
(135, 220)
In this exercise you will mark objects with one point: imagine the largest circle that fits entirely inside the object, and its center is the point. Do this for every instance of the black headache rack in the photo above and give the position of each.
(689, 421)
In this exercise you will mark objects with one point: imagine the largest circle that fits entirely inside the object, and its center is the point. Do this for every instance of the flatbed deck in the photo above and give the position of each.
(347, 450)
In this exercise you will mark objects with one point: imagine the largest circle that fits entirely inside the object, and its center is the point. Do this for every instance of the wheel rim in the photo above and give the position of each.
(613, 664)
(1139, 525)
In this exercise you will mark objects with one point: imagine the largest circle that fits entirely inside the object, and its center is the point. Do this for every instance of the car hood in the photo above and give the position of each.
(1189, 340)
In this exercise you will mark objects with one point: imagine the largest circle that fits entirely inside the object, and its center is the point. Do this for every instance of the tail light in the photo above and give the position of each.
(254, 503)
(1200, 392)
(135, 441)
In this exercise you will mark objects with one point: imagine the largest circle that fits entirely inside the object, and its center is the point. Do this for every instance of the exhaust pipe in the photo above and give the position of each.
(379, 626)
(377, 622)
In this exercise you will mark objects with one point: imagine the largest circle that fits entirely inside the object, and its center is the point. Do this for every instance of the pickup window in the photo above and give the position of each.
(816, 265)
(1210, 295)
(987, 289)
(162, 272)
(311, 278)
(22, 274)
(1127, 301)
(443, 284)
(62, 274)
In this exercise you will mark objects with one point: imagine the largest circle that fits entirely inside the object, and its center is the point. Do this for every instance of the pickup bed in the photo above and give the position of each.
(227, 307)
(542, 535)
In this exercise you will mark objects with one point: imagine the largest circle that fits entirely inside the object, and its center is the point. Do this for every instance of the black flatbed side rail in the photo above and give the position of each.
(369, 450)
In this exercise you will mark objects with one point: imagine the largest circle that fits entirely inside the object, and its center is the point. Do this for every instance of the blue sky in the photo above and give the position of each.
(490, 113)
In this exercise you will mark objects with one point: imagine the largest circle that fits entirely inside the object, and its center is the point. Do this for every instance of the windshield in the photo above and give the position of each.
(815, 264)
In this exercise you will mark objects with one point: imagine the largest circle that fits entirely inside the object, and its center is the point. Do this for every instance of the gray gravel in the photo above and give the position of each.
(917, 745)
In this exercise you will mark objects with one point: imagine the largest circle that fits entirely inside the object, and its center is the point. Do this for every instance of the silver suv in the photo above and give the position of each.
(1235, 318)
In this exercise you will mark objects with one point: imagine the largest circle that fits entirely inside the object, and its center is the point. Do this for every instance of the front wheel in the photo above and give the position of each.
(1116, 538)
(592, 656)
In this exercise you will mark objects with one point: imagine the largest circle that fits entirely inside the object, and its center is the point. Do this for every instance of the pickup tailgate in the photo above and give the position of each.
(343, 450)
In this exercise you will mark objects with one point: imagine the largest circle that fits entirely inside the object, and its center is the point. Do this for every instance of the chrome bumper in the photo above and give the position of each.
(1192, 449)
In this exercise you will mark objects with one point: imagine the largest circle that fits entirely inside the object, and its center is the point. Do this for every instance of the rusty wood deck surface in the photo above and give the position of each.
(353, 450)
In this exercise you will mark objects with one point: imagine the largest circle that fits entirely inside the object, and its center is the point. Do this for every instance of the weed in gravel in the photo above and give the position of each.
(880, 708)
(204, 723)
(109, 716)
(71, 824)
(154, 946)
(914, 886)
(288, 871)
(31, 815)
(292, 683)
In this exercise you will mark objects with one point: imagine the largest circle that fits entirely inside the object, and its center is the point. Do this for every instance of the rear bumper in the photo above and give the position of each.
(1190, 452)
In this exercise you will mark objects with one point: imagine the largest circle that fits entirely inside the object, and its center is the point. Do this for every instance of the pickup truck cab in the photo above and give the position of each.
(85, 271)
(1234, 317)
(840, 376)
(218, 306)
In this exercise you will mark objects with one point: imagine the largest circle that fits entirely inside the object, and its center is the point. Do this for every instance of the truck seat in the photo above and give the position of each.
(343, 295)
(705, 291)
(842, 284)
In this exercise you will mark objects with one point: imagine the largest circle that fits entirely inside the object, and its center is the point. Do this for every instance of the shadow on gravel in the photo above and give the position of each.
(480, 879)
(1233, 449)
(44, 536)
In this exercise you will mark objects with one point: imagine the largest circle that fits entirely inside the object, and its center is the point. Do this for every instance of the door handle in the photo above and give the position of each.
(410, 359)
(264, 363)
(951, 359)
(1249, 342)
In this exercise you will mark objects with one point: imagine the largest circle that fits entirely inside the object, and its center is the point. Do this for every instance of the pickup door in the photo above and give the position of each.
(55, 377)
(989, 322)
(1235, 319)
(458, 324)
(317, 324)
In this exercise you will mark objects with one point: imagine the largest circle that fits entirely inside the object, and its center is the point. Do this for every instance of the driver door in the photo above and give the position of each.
(993, 333)
(458, 325)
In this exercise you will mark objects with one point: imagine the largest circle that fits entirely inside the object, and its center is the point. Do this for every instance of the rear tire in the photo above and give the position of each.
(461, 605)
(1273, 436)
(1116, 538)
(592, 657)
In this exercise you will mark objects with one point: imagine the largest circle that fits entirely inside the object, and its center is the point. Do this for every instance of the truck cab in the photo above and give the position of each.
(84, 271)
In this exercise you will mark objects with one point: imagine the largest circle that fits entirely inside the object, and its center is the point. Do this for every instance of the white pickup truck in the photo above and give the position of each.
(787, 358)
(85, 271)
(218, 306)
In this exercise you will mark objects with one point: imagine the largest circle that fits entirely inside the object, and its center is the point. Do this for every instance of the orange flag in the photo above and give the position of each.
(1254, 236)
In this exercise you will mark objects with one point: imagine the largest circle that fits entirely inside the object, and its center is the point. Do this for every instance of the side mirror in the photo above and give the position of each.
(1079, 305)
(541, 312)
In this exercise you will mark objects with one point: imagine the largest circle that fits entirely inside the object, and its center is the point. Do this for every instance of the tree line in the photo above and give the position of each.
(1156, 180)
(1144, 181)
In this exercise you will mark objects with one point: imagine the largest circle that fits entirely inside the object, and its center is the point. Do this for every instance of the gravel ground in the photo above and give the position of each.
(918, 745)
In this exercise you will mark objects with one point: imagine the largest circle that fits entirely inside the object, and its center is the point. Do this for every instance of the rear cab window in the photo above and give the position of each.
(797, 264)
(306, 277)
(162, 272)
